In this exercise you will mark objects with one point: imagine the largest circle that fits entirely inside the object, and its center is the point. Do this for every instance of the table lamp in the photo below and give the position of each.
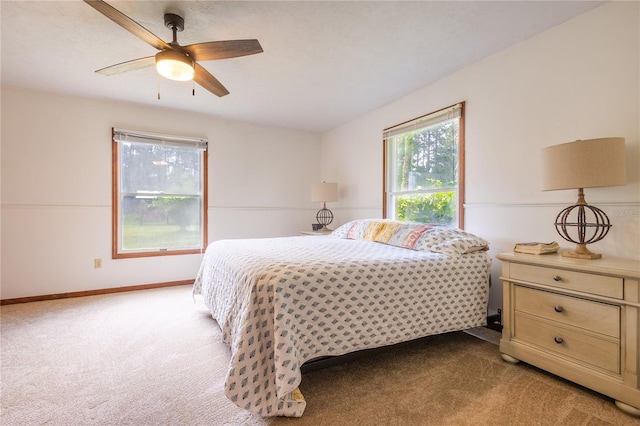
(577, 165)
(324, 193)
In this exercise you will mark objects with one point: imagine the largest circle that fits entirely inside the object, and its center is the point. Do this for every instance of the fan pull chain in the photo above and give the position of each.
(193, 88)
(158, 83)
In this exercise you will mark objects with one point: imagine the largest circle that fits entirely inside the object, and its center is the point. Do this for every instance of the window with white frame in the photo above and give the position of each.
(159, 194)
(424, 169)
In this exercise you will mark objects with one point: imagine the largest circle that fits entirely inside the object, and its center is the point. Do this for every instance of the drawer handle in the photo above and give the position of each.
(557, 278)
(558, 308)
(558, 340)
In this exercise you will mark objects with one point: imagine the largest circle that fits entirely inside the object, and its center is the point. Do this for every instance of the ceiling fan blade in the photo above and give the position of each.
(132, 65)
(222, 49)
(209, 82)
(128, 24)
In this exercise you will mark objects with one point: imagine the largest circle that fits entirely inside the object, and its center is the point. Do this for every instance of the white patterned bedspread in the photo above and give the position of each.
(283, 301)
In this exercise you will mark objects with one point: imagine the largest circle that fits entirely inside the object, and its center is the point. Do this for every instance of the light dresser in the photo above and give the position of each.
(578, 319)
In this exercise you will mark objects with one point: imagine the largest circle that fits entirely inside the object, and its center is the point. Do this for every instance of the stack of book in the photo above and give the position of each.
(537, 248)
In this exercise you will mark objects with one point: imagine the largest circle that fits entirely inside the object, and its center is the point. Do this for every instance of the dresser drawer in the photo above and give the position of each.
(563, 279)
(601, 353)
(587, 314)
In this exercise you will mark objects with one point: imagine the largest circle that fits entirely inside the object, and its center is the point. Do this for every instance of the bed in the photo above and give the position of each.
(283, 302)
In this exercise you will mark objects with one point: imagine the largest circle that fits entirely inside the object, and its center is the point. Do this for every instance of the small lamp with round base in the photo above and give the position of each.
(324, 193)
(577, 165)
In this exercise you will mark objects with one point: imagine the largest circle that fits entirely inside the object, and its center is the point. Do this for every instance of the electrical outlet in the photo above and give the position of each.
(97, 263)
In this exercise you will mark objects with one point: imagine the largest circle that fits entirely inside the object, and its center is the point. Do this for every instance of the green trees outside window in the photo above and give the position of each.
(161, 187)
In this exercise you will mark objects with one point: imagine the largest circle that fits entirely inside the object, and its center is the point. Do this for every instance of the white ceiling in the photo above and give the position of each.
(324, 63)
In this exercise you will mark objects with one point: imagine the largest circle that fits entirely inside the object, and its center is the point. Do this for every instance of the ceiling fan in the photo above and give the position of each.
(174, 61)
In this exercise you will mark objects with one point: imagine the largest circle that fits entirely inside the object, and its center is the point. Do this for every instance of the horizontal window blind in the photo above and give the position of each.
(449, 113)
(134, 136)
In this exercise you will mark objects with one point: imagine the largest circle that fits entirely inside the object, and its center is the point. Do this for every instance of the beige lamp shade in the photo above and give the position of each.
(584, 164)
(324, 192)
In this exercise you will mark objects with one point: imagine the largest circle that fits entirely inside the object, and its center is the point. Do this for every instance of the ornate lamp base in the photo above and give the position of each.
(324, 217)
(582, 252)
(599, 227)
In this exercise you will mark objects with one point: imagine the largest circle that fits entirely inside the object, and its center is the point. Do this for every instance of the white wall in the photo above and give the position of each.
(56, 189)
(579, 80)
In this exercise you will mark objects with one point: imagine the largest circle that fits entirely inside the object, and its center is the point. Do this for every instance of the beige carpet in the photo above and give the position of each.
(155, 358)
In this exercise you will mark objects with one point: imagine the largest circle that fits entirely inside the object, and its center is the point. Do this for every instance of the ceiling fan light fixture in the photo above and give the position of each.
(174, 65)
(173, 61)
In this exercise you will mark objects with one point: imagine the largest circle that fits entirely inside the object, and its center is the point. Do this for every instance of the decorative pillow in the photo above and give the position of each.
(357, 230)
(413, 235)
(353, 230)
(396, 233)
(407, 235)
(362, 229)
(381, 232)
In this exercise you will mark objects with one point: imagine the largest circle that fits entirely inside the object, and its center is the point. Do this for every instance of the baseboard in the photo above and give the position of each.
(93, 292)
